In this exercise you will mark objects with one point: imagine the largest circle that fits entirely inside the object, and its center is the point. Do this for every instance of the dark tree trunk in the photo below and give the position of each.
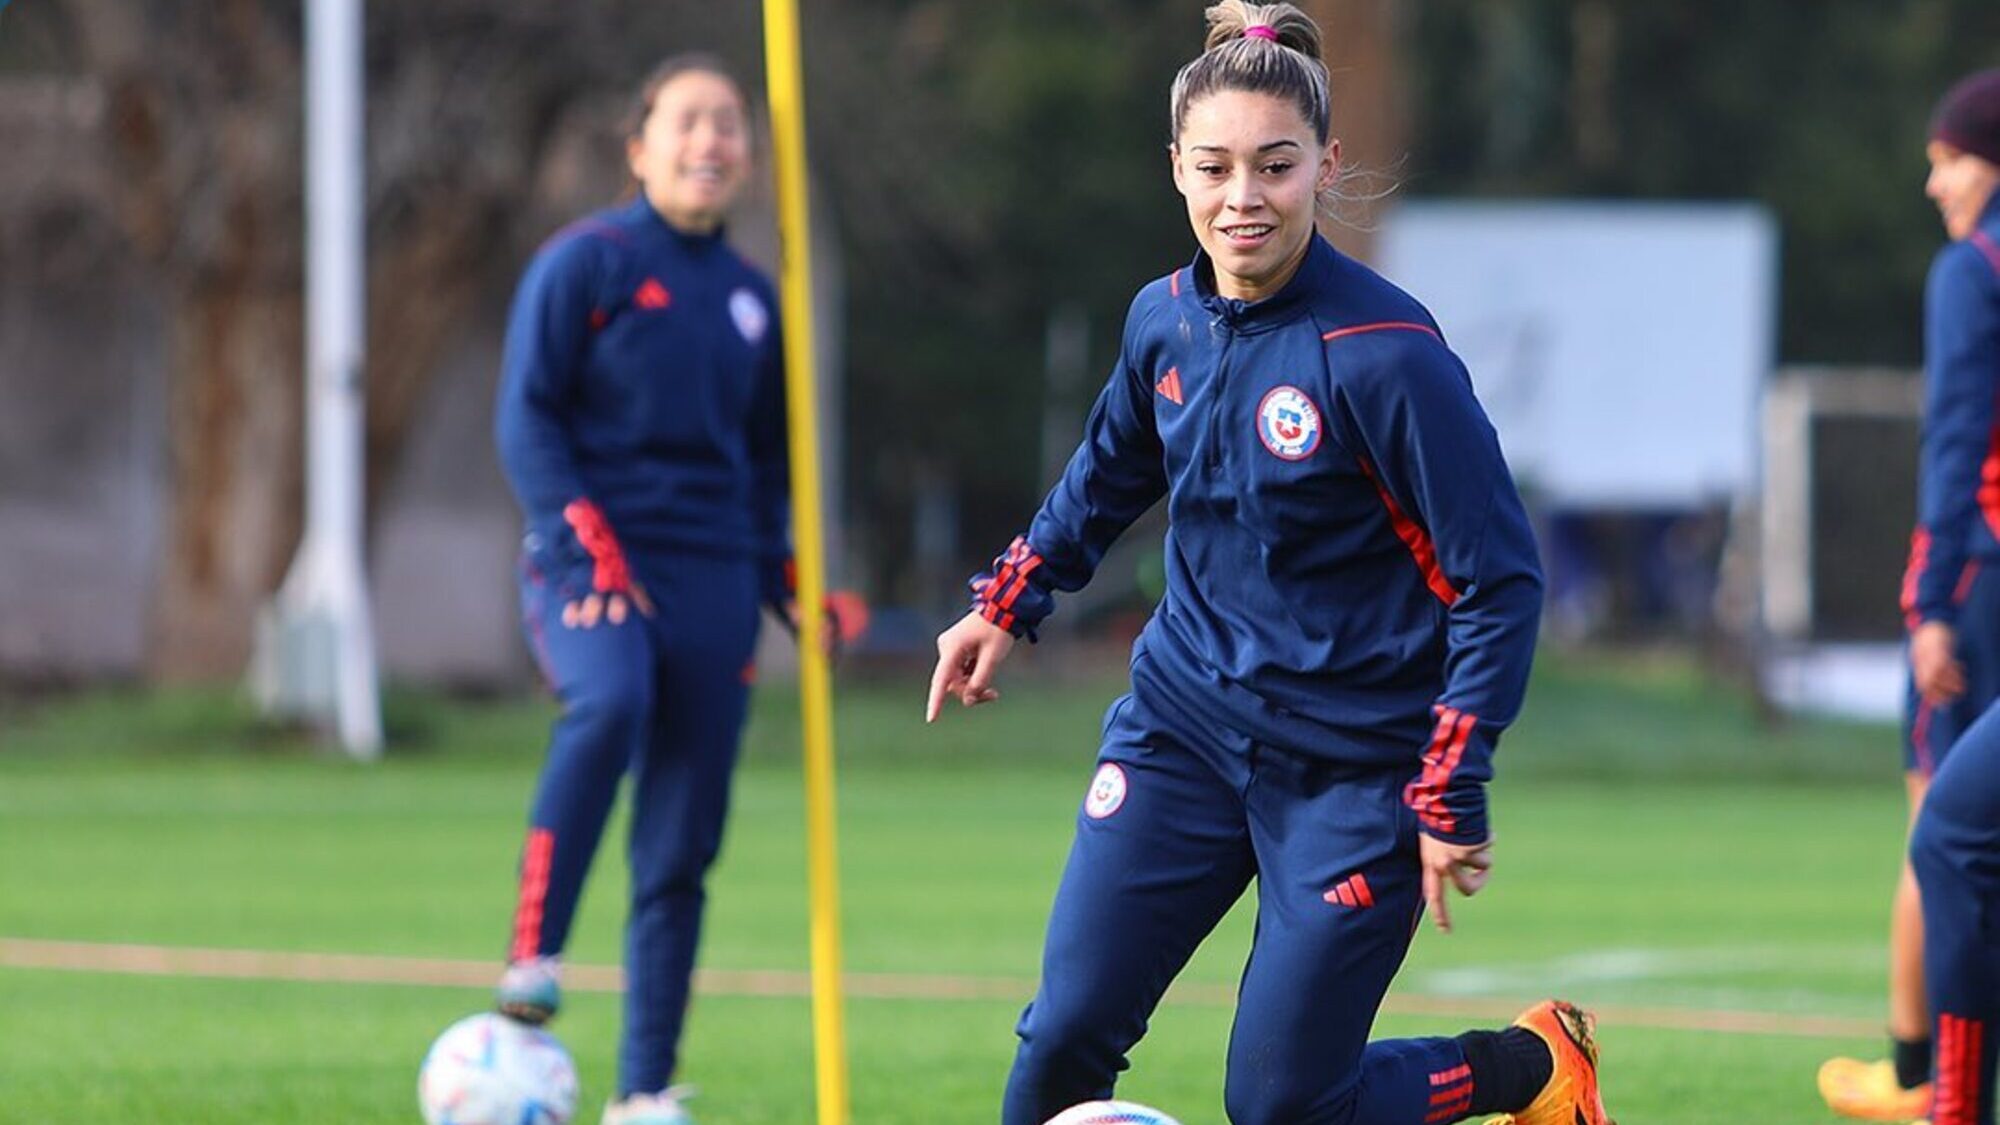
(1368, 109)
(235, 400)
(201, 142)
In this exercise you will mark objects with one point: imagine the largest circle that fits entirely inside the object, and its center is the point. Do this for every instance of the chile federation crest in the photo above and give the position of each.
(1289, 424)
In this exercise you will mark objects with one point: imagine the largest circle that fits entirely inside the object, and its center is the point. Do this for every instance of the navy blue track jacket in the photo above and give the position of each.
(1958, 489)
(1350, 571)
(642, 398)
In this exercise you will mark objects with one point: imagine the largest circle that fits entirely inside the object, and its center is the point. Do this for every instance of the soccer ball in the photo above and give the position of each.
(1111, 1113)
(491, 1070)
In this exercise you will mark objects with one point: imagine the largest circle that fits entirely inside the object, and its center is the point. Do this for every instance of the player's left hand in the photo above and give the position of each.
(612, 608)
(832, 634)
(1465, 866)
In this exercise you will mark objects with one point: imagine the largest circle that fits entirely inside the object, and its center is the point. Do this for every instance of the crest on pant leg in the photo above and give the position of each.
(1107, 791)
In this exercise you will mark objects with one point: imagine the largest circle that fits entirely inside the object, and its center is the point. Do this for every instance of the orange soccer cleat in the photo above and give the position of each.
(1869, 1091)
(1571, 1096)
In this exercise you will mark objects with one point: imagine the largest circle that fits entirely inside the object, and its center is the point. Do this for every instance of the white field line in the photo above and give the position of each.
(250, 964)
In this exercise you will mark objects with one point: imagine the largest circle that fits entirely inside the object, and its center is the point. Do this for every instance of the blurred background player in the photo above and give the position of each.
(642, 425)
(1951, 592)
(1350, 615)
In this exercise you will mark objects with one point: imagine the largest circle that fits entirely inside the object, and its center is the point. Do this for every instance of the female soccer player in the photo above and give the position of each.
(641, 423)
(1951, 593)
(1350, 613)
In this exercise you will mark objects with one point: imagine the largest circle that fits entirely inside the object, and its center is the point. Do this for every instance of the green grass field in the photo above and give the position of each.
(1659, 854)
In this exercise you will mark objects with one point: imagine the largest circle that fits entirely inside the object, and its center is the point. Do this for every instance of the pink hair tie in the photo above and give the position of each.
(1261, 31)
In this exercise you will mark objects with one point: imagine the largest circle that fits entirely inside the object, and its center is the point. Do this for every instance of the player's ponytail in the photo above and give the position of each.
(1282, 24)
(1263, 49)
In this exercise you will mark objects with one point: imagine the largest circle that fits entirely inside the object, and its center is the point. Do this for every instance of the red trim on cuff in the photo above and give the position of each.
(1425, 793)
(995, 597)
(586, 519)
(997, 616)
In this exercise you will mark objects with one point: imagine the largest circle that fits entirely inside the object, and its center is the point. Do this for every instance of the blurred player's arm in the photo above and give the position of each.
(548, 329)
(771, 468)
(1962, 377)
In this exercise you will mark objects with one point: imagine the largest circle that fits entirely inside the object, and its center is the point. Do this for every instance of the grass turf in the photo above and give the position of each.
(1656, 848)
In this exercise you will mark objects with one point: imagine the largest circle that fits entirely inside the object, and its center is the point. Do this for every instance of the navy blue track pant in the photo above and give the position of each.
(1930, 732)
(1179, 818)
(663, 699)
(1955, 850)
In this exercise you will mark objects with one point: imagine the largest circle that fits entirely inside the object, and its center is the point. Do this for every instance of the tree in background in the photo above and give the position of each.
(985, 164)
(1817, 108)
(486, 120)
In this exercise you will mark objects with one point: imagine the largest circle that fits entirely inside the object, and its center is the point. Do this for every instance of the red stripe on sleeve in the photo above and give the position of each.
(1383, 326)
(1989, 479)
(1010, 577)
(1414, 537)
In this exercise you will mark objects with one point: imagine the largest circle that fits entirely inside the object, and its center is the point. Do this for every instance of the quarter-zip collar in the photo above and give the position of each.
(648, 217)
(1280, 308)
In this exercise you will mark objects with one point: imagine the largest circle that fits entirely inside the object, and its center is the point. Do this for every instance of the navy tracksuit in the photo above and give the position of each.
(1955, 847)
(641, 424)
(1955, 850)
(1956, 546)
(1351, 605)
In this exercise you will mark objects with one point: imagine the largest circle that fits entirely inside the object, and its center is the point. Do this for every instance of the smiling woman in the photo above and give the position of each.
(1352, 595)
(1252, 152)
(689, 153)
(642, 426)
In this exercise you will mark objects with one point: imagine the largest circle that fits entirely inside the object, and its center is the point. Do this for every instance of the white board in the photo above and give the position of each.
(1620, 348)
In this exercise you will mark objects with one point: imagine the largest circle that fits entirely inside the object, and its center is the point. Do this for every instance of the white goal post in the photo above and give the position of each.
(315, 644)
(1839, 494)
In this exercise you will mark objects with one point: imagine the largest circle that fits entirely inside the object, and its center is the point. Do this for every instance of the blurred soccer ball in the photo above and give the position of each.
(491, 1070)
(1111, 1113)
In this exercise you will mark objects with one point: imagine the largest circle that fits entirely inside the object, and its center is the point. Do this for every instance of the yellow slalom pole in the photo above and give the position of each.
(785, 82)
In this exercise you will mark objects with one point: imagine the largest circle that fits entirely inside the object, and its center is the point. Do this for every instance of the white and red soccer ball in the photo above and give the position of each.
(1111, 1113)
(491, 1070)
